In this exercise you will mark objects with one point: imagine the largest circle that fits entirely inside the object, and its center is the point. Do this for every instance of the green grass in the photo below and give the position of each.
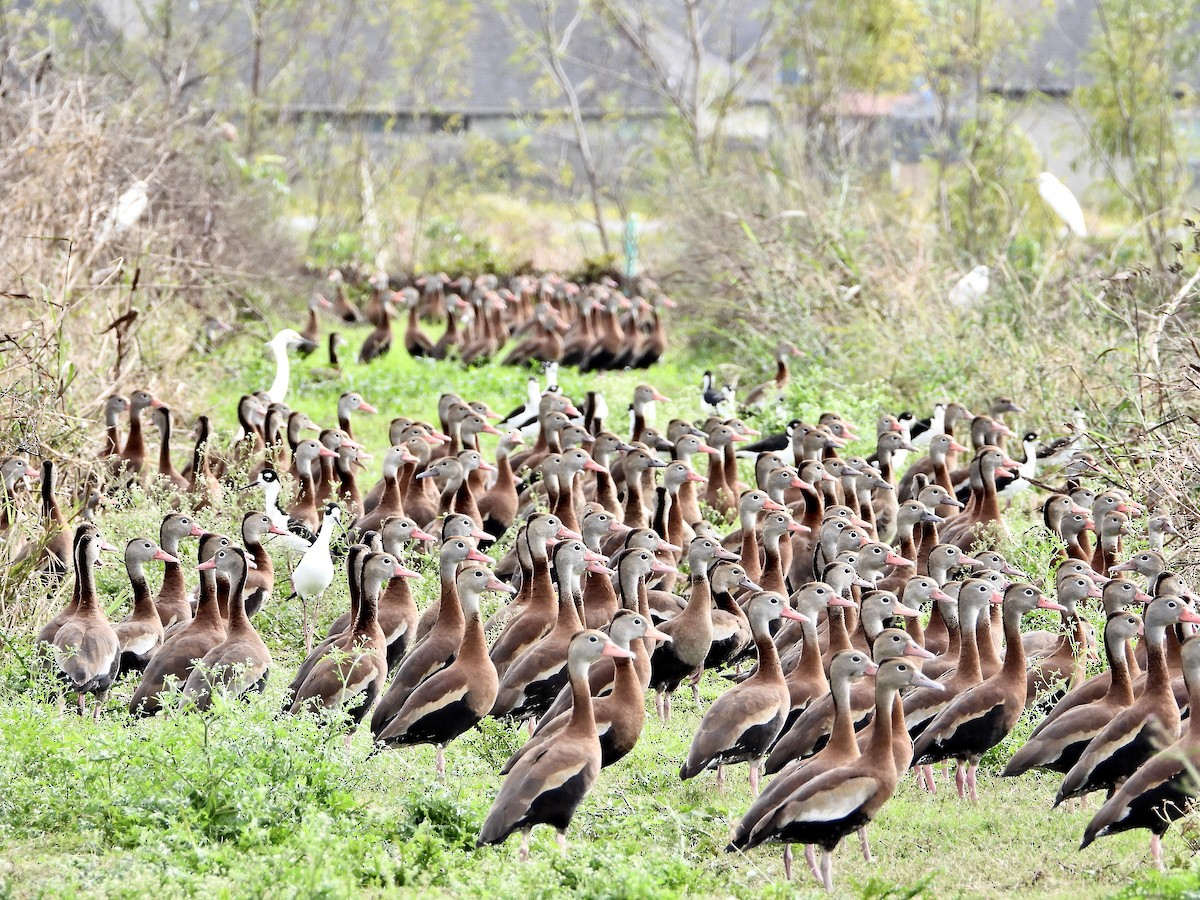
(242, 804)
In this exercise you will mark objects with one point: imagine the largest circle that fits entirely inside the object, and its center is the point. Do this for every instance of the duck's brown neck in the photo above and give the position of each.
(843, 740)
(208, 608)
(635, 511)
(1120, 687)
(838, 633)
(1158, 676)
(366, 621)
(969, 670)
(582, 722)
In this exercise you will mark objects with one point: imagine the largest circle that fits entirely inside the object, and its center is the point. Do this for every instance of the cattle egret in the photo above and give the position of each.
(125, 212)
(970, 288)
(1060, 199)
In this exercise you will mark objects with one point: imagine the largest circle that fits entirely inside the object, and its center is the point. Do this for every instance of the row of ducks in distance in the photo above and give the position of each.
(798, 604)
(594, 325)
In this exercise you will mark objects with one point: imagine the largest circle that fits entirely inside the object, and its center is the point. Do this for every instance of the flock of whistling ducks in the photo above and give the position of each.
(814, 604)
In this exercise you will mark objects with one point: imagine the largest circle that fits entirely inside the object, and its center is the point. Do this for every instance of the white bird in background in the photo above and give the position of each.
(125, 212)
(970, 288)
(1060, 199)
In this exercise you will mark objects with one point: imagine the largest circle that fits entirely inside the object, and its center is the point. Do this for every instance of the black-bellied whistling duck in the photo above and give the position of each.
(942, 449)
(172, 600)
(952, 416)
(655, 343)
(835, 803)
(347, 493)
(637, 461)
(455, 699)
(918, 591)
(750, 504)
(351, 402)
(604, 449)
(498, 506)
(1059, 746)
(691, 631)
(1117, 596)
(569, 495)
(373, 309)
(732, 633)
(43, 648)
(972, 600)
(187, 646)
(1061, 665)
(848, 667)
(553, 411)
(981, 520)
(548, 786)
(941, 561)
(744, 721)
(545, 344)
(811, 730)
(644, 398)
(1140, 730)
(325, 474)
(311, 332)
(142, 632)
(133, 454)
(86, 648)
(599, 591)
(620, 711)
(391, 500)
(610, 342)
(876, 609)
(536, 595)
(352, 678)
(633, 565)
(397, 612)
(342, 307)
(909, 515)
(716, 493)
(806, 680)
(378, 343)
(982, 716)
(1157, 530)
(772, 391)
(885, 504)
(113, 407)
(56, 535)
(13, 472)
(416, 341)
(532, 680)
(1073, 529)
(1164, 788)
(161, 416)
(1111, 527)
(582, 337)
(260, 581)
(304, 509)
(203, 484)
(776, 527)
(440, 643)
(241, 662)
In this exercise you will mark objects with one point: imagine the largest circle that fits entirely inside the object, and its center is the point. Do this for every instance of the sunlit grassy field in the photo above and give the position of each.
(242, 803)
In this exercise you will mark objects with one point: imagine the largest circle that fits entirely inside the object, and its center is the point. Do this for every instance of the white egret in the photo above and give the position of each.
(1060, 199)
(970, 288)
(125, 212)
(279, 346)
